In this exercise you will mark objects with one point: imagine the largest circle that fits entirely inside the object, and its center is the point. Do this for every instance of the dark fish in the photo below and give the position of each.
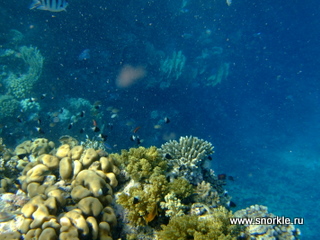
(70, 126)
(135, 138)
(232, 204)
(49, 5)
(19, 119)
(231, 178)
(110, 126)
(39, 121)
(103, 136)
(209, 157)
(39, 130)
(95, 129)
(81, 114)
(82, 130)
(43, 96)
(32, 99)
(222, 176)
(166, 120)
(22, 156)
(168, 156)
(135, 200)
(97, 107)
(61, 110)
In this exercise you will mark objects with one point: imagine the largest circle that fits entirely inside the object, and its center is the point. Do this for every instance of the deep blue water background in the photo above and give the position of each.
(263, 119)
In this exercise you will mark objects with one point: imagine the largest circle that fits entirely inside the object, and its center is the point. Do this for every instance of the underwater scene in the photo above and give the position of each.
(164, 120)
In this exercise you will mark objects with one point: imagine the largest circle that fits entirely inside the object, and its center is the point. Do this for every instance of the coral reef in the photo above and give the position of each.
(9, 107)
(77, 192)
(215, 225)
(270, 231)
(85, 189)
(20, 84)
(187, 157)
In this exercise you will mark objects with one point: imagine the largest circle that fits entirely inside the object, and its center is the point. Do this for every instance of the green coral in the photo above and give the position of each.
(141, 202)
(140, 163)
(181, 187)
(149, 185)
(9, 106)
(214, 226)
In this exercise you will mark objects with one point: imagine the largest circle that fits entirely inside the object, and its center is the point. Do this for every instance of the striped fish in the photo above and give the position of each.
(49, 5)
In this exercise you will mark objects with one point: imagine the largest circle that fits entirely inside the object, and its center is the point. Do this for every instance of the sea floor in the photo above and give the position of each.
(287, 185)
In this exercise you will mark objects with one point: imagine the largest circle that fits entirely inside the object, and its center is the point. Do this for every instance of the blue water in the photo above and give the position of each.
(263, 119)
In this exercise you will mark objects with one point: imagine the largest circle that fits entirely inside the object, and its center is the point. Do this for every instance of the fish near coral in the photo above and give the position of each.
(152, 214)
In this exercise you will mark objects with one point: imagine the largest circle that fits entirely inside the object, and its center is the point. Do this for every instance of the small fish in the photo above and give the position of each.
(39, 121)
(81, 130)
(231, 178)
(49, 5)
(85, 55)
(151, 215)
(81, 114)
(43, 96)
(166, 120)
(222, 176)
(168, 156)
(135, 200)
(19, 119)
(39, 130)
(97, 107)
(136, 129)
(70, 126)
(209, 157)
(103, 137)
(32, 99)
(95, 129)
(133, 138)
(114, 115)
(231, 204)
(229, 2)
(94, 123)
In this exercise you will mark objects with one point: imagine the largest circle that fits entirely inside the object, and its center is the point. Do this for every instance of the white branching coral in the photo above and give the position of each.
(173, 205)
(186, 158)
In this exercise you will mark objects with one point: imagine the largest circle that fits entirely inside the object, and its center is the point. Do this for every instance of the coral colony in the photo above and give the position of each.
(75, 191)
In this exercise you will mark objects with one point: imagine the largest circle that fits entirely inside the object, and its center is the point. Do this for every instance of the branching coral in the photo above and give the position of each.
(212, 226)
(140, 163)
(20, 84)
(141, 202)
(270, 231)
(173, 205)
(206, 194)
(187, 157)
